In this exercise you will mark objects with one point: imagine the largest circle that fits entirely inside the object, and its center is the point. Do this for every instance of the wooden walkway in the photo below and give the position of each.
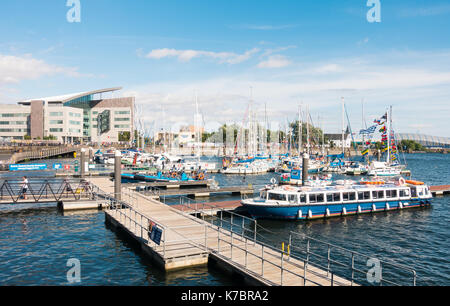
(440, 190)
(187, 241)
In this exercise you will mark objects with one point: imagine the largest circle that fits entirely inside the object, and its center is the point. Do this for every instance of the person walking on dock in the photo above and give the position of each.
(24, 187)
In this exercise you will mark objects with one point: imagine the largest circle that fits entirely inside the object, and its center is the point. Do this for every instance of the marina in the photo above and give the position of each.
(248, 146)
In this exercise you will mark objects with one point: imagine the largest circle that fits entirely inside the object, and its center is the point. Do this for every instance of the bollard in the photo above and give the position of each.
(379, 155)
(82, 162)
(118, 176)
(91, 154)
(305, 168)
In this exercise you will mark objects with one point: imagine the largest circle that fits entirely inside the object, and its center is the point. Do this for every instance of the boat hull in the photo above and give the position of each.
(307, 212)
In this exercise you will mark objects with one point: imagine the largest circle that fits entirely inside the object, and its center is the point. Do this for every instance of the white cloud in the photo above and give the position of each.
(188, 55)
(425, 11)
(377, 80)
(14, 69)
(275, 61)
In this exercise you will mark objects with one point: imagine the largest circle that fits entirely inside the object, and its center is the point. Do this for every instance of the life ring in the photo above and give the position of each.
(201, 176)
(173, 175)
(402, 181)
(273, 181)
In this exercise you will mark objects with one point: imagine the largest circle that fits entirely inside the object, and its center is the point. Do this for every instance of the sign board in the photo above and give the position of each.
(66, 167)
(57, 166)
(154, 233)
(31, 167)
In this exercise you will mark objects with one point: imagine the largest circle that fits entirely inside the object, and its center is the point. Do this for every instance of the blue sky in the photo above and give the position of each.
(289, 52)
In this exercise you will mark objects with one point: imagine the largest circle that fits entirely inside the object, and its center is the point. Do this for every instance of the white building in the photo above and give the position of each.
(71, 118)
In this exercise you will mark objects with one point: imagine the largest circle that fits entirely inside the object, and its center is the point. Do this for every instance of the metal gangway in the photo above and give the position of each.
(44, 190)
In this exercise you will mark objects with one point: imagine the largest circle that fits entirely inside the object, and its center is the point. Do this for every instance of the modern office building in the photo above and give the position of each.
(72, 118)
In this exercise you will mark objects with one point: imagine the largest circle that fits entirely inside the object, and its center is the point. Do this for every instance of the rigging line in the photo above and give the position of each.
(350, 127)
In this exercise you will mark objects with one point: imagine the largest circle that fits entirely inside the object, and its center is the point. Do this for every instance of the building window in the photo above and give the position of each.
(76, 115)
(75, 122)
(122, 112)
(56, 130)
(56, 114)
(125, 126)
(56, 122)
(122, 119)
(13, 115)
(13, 130)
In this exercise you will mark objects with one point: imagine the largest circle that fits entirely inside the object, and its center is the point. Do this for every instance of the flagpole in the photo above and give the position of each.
(388, 123)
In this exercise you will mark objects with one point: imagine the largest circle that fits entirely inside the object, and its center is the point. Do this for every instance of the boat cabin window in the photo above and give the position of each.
(404, 193)
(414, 192)
(378, 194)
(364, 195)
(303, 198)
(293, 198)
(263, 195)
(349, 196)
(420, 191)
(391, 193)
(316, 198)
(333, 197)
(277, 196)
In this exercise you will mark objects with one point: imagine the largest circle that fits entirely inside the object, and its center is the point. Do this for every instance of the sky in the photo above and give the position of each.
(281, 54)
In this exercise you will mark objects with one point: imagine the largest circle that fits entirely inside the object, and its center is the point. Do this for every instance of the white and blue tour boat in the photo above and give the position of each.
(343, 198)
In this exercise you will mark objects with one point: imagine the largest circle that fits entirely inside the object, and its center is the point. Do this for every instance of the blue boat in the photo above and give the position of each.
(160, 177)
(312, 202)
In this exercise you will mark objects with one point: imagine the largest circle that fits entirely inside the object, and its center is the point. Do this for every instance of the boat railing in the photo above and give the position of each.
(353, 264)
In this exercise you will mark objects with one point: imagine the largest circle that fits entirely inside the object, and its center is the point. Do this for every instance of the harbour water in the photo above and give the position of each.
(36, 244)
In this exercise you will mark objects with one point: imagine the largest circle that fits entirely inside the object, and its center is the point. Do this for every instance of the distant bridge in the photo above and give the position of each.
(426, 140)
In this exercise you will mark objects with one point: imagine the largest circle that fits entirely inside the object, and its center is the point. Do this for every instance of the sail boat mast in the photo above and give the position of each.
(343, 125)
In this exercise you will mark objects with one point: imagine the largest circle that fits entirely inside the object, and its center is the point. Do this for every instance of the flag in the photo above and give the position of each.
(384, 117)
(383, 129)
(365, 152)
(369, 131)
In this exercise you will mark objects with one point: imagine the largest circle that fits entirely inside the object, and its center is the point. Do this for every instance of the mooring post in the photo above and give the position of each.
(118, 175)
(91, 154)
(82, 162)
(379, 155)
(305, 168)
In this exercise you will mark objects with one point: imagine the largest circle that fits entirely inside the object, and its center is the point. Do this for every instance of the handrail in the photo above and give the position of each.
(48, 189)
(353, 254)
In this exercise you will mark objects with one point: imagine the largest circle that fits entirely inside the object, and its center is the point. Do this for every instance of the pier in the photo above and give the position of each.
(440, 190)
(175, 239)
(185, 241)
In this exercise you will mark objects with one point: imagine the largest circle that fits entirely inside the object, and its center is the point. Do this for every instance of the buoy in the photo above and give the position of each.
(344, 211)
(402, 181)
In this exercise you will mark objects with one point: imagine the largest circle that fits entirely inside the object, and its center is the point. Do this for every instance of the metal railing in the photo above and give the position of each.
(248, 235)
(220, 225)
(45, 190)
(41, 153)
(323, 251)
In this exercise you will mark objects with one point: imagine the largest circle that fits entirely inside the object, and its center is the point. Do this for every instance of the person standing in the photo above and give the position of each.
(24, 187)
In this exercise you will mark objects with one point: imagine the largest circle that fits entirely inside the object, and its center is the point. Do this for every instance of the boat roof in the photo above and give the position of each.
(354, 187)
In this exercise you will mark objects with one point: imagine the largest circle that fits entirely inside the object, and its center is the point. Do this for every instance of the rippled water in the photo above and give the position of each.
(36, 244)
